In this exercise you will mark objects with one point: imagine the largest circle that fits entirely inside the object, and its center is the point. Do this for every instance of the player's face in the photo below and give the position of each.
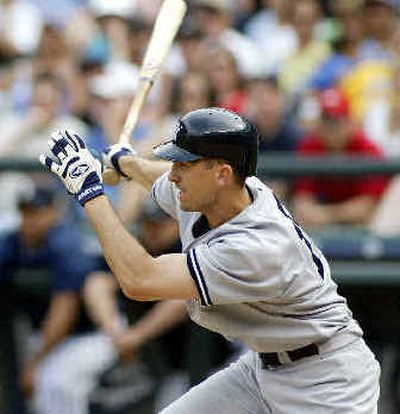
(197, 183)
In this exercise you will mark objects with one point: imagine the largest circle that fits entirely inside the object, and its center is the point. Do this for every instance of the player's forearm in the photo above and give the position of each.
(358, 210)
(160, 319)
(144, 171)
(127, 259)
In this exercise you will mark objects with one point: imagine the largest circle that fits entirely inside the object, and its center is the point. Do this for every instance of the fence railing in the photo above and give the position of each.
(275, 164)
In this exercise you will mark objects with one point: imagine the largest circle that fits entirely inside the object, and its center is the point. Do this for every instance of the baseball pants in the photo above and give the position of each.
(343, 381)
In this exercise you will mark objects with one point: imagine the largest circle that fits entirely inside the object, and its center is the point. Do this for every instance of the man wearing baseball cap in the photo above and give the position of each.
(321, 201)
(42, 268)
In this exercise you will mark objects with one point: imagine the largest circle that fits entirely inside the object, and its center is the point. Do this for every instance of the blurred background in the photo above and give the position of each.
(321, 82)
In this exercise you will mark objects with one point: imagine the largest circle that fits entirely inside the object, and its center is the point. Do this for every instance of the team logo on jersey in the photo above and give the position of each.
(215, 241)
(79, 170)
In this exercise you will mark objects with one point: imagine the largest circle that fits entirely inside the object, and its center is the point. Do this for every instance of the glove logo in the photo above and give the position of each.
(79, 170)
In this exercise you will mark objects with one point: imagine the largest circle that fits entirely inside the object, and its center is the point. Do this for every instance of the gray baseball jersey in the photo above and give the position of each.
(260, 278)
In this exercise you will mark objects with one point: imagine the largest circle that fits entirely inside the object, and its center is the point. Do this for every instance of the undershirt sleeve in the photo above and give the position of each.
(164, 194)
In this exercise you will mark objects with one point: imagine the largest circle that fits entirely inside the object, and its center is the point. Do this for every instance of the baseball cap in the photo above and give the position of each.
(120, 8)
(36, 197)
(118, 79)
(334, 103)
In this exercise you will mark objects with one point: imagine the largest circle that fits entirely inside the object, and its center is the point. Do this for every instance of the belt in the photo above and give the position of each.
(276, 359)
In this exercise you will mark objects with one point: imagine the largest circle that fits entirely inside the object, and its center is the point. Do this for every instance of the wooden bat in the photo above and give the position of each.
(165, 28)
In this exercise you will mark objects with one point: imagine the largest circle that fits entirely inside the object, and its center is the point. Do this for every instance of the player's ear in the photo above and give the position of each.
(224, 174)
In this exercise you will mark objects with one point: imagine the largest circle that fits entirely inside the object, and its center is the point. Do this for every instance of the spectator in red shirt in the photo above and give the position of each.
(226, 80)
(320, 201)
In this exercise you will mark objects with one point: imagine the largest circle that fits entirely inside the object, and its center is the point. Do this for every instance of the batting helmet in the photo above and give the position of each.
(213, 133)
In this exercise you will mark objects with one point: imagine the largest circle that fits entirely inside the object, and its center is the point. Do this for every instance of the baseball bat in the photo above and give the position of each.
(166, 26)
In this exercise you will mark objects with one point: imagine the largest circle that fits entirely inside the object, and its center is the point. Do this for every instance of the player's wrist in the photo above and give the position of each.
(123, 164)
(91, 189)
(117, 161)
(115, 157)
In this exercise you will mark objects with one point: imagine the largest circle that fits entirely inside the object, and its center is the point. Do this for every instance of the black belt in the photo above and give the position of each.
(271, 359)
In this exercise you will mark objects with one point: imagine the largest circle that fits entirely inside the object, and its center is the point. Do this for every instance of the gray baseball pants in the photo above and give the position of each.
(342, 381)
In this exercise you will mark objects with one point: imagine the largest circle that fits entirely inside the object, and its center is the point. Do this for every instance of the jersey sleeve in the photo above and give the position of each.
(164, 194)
(236, 269)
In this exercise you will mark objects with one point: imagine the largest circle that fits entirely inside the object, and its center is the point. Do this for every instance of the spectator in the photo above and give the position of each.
(278, 133)
(341, 61)
(6, 85)
(267, 110)
(214, 20)
(30, 132)
(350, 18)
(273, 25)
(53, 54)
(139, 36)
(226, 81)
(381, 19)
(327, 200)
(112, 38)
(194, 91)
(21, 24)
(243, 11)
(46, 114)
(369, 86)
(388, 136)
(193, 48)
(297, 70)
(61, 356)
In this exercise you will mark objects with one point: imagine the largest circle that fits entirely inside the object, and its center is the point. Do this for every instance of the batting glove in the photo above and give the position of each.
(69, 158)
(113, 153)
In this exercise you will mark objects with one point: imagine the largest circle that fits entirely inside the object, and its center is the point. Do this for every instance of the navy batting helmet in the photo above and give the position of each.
(213, 133)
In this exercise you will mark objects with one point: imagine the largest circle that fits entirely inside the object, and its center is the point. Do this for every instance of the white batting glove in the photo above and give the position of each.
(69, 158)
(113, 153)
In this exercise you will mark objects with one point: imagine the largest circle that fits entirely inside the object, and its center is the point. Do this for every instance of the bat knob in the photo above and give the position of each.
(110, 177)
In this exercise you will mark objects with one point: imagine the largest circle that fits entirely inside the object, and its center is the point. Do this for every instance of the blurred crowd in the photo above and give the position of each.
(315, 78)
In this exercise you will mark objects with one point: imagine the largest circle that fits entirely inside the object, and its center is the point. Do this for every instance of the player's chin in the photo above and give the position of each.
(186, 204)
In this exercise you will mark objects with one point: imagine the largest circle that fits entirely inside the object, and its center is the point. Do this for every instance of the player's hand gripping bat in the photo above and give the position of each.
(165, 28)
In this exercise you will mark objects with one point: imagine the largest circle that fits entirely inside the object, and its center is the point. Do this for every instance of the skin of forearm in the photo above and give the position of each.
(99, 296)
(161, 318)
(143, 171)
(59, 322)
(356, 210)
(127, 259)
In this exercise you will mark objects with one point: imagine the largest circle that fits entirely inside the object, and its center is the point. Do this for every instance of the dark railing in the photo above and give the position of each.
(275, 164)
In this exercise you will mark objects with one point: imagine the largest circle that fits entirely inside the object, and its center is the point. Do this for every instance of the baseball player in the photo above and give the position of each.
(247, 270)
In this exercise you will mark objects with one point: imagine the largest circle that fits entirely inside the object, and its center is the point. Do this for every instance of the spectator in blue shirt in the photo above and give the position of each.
(43, 267)
(269, 113)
